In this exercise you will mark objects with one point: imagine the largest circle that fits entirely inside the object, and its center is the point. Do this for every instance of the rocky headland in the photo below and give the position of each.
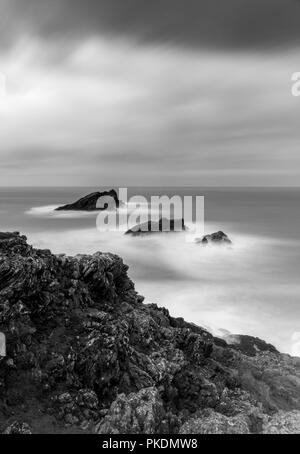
(85, 354)
(90, 202)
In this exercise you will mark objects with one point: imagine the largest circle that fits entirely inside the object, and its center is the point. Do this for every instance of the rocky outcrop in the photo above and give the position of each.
(78, 408)
(216, 238)
(210, 422)
(91, 202)
(137, 413)
(249, 345)
(17, 428)
(163, 225)
(284, 422)
(84, 354)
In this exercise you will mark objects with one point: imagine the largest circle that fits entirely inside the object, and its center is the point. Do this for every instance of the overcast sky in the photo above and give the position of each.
(139, 92)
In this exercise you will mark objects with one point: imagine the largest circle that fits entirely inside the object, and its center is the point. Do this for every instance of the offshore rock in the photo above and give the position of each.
(163, 225)
(215, 238)
(84, 354)
(89, 202)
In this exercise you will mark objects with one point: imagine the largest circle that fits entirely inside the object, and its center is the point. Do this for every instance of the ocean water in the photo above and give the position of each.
(250, 288)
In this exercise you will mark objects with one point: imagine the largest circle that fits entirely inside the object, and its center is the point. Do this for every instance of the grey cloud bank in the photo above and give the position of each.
(206, 23)
(195, 92)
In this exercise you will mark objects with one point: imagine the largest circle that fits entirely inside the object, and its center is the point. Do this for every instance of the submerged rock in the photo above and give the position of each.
(163, 225)
(85, 354)
(217, 237)
(89, 202)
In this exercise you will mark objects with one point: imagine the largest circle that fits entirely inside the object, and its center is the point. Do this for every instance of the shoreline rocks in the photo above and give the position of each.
(85, 354)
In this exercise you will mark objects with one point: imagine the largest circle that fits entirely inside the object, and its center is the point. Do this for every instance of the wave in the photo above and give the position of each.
(241, 288)
(48, 211)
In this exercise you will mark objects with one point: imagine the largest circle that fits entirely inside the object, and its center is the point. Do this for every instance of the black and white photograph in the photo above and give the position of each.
(149, 220)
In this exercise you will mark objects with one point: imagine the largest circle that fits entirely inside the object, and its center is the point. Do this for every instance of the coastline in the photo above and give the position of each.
(87, 353)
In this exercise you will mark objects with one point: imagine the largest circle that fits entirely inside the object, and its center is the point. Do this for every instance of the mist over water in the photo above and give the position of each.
(251, 287)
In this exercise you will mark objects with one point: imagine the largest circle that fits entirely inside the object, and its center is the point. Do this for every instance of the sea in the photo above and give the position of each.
(249, 287)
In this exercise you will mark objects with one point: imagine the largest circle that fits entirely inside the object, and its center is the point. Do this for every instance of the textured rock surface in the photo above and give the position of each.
(17, 428)
(249, 345)
(141, 412)
(89, 202)
(283, 423)
(210, 422)
(85, 354)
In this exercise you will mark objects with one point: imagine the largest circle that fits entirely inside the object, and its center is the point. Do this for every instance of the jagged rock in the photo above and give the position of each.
(272, 379)
(137, 413)
(284, 422)
(249, 345)
(18, 428)
(216, 238)
(78, 408)
(210, 422)
(89, 202)
(84, 350)
(163, 225)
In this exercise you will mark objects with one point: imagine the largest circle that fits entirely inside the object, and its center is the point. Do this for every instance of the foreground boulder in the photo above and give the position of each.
(84, 354)
(89, 202)
(163, 225)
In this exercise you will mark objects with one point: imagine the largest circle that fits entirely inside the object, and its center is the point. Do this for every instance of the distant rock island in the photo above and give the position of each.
(151, 227)
(217, 237)
(89, 202)
(157, 227)
(86, 355)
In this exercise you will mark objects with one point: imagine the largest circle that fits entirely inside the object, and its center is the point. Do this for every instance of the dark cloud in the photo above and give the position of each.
(253, 24)
(79, 110)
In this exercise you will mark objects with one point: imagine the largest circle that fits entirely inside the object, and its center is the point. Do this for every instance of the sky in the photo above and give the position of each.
(155, 93)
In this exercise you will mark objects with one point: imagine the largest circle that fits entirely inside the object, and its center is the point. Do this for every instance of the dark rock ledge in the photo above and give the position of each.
(84, 354)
